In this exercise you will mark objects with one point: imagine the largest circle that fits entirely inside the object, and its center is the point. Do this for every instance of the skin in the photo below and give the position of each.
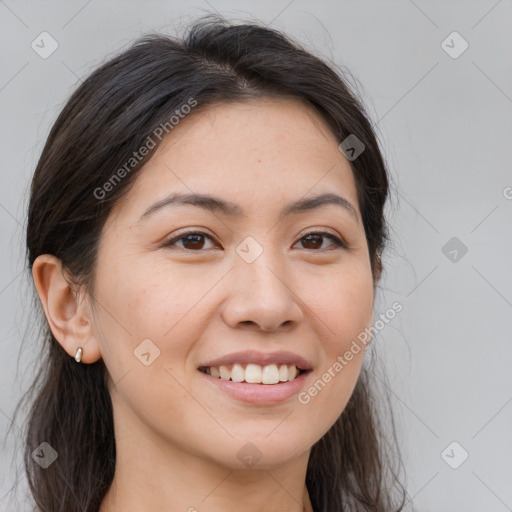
(176, 437)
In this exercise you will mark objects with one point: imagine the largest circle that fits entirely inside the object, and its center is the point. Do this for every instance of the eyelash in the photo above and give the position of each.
(171, 243)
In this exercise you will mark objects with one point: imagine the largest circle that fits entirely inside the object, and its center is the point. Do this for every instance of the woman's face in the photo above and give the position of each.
(248, 279)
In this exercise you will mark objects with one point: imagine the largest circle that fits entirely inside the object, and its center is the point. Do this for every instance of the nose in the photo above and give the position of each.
(261, 296)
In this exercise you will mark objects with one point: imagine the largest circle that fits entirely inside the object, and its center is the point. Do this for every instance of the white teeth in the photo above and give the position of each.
(270, 374)
(237, 373)
(224, 373)
(254, 373)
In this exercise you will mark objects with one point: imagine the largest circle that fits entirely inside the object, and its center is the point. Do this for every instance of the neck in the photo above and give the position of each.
(225, 495)
(153, 474)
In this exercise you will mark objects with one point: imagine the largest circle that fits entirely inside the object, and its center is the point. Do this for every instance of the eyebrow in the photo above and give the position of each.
(216, 204)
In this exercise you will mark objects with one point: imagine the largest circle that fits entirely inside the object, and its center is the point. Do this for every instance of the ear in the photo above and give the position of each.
(68, 317)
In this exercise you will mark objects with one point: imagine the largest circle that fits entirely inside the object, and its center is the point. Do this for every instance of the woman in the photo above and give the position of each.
(205, 234)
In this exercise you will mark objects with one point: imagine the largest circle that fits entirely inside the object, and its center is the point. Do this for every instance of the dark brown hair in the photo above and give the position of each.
(111, 115)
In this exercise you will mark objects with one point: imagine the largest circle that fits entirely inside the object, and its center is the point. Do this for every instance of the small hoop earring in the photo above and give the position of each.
(78, 355)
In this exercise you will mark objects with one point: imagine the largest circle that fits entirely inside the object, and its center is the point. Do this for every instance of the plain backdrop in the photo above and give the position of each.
(442, 105)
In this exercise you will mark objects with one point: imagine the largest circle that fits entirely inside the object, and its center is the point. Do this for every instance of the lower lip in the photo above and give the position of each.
(261, 394)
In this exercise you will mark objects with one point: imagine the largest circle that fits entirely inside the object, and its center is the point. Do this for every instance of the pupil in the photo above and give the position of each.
(193, 239)
(309, 237)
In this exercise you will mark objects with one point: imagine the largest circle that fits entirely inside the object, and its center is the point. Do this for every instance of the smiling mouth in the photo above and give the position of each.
(255, 374)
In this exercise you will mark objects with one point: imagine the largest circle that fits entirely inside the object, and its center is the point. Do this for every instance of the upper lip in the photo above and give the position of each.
(261, 358)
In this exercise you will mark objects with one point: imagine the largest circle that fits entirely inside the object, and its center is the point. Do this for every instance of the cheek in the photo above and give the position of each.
(146, 332)
(141, 303)
(148, 324)
(343, 305)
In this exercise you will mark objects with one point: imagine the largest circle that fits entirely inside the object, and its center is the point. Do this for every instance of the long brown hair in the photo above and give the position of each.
(108, 117)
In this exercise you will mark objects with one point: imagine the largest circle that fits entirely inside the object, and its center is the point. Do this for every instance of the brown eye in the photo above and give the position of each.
(314, 241)
(192, 241)
(195, 241)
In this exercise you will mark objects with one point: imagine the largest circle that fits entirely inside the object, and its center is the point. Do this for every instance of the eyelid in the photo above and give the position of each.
(176, 237)
(321, 231)
(337, 241)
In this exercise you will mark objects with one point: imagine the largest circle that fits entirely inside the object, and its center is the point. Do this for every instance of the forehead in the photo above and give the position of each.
(262, 149)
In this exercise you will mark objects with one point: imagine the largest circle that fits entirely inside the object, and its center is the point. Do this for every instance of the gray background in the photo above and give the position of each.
(445, 127)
